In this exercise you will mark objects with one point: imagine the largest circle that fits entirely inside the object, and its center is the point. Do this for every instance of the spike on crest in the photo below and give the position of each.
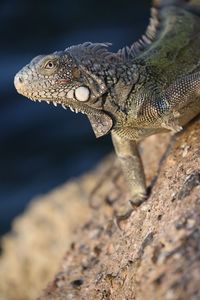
(136, 48)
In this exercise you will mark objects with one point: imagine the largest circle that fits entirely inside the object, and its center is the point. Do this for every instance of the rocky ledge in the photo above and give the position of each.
(155, 254)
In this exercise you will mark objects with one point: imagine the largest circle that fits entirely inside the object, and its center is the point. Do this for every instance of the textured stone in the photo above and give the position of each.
(32, 251)
(156, 254)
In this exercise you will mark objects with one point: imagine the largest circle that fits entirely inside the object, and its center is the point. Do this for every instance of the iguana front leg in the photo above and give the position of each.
(131, 163)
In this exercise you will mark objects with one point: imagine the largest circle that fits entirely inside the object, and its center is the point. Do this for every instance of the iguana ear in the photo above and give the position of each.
(101, 124)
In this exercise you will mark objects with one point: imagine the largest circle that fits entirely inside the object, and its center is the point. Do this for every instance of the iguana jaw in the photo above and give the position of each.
(100, 120)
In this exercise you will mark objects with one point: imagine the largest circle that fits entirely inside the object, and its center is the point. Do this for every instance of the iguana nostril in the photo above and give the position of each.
(20, 79)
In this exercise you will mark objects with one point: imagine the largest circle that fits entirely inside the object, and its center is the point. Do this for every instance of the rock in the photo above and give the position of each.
(156, 254)
(31, 253)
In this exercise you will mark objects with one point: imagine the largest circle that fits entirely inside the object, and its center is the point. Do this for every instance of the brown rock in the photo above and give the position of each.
(156, 255)
(39, 238)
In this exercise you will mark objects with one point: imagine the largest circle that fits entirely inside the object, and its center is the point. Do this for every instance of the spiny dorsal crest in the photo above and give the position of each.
(89, 53)
(143, 43)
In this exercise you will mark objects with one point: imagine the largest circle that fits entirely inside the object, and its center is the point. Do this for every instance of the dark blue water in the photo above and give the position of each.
(42, 146)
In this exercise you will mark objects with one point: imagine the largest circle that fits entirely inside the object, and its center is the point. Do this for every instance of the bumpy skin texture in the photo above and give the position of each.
(150, 87)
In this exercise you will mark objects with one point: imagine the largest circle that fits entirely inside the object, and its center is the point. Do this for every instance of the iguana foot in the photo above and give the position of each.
(123, 216)
(132, 206)
(137, 201)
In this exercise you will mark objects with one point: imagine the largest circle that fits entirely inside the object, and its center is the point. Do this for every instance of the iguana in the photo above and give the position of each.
(150, 87)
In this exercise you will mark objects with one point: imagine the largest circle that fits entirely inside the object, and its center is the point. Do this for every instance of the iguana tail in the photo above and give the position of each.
(192, 5)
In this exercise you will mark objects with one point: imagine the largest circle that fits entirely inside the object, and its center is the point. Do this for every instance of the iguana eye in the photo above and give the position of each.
(49, 64)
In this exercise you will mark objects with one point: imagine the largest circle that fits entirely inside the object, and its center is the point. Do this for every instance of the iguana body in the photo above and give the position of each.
(152, 86)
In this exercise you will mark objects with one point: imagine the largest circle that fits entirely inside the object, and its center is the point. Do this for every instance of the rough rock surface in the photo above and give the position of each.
(31, 253)
(156, 254)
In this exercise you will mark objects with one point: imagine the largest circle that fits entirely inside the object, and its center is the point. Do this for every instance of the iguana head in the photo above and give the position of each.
(73, 78)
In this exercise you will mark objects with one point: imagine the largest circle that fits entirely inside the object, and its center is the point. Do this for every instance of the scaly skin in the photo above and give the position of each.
(152, 86)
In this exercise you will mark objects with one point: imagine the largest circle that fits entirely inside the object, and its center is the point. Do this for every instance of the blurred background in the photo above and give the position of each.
(42, 146)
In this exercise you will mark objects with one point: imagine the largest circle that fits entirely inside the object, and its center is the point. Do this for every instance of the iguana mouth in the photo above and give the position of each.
(100, 120)
(72, 105)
